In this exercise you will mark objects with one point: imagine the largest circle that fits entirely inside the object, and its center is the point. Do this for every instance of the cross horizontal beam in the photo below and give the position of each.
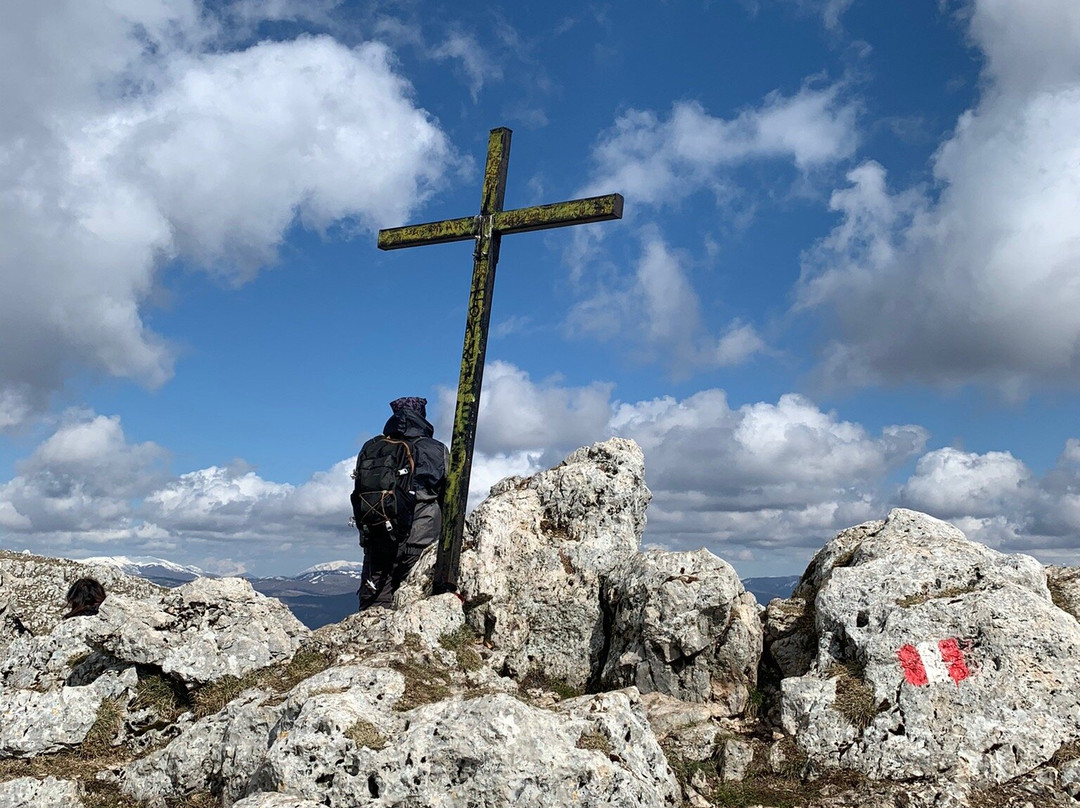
(559, 214)
(521, 220)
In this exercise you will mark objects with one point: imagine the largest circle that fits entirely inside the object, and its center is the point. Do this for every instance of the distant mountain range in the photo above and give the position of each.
(326, 593)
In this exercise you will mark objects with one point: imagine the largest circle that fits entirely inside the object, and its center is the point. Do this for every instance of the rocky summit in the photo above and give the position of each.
(911, 667)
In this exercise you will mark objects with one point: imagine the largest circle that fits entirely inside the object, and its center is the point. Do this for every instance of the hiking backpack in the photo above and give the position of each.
(383, 497)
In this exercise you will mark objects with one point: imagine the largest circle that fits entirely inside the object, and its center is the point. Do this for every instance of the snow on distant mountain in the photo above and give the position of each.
(334, 566)
(158, 570)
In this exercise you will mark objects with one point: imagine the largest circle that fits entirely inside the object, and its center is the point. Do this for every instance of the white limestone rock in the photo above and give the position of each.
(30, 792)
(222, 750)
(1064, 584)
(682, 624)
(380, 630)
(916, 581)
(736, 755)
(36, 723)
(534, 554)
(789, 641)
(32, 589)
(491, 750)
(266, 799)
(201, 631)
(46, 661)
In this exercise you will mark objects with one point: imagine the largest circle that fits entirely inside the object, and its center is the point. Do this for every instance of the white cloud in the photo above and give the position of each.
(950, 483)
(996, 499)
(763, 484)
(657, 312)
(519, 417)
(478, 67)
(948, 288)
(133, 134)
(760, 479)
(656, 162)
(788, 456)
(84, 478)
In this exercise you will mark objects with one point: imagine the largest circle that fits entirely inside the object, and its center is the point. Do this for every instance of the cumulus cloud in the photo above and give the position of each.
(660, 161)
(741, 481)
(658, 313)
(88, 490)
(996, 499)
(764, 483)
(519, 415)
(85, 478)
(950, 483)
(134, 134)
(657, 162)
(761, 475)
(973, 280)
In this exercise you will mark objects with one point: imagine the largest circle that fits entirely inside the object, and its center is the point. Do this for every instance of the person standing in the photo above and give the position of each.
(391, 553)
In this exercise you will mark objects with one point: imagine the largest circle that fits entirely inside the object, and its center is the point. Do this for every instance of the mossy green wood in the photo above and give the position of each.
(486, 230)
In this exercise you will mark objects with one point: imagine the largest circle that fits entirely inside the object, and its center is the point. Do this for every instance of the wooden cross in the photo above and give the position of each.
(487, 229)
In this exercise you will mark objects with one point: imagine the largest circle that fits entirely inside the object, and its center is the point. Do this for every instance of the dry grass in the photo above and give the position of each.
(854, 698)
(98, 742)
(1057, 594)
(923, 597)
(83, 762)
(156, 692)
(594, 740)
(463, 641)
(363, 733)
(536, 679)
(278, 679)
(425, 683)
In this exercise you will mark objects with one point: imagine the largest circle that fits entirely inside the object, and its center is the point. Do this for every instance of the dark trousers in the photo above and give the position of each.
(387, 562)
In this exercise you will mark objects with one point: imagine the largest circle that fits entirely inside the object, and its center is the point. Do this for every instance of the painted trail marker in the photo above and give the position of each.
(934, 662)
(487, 230)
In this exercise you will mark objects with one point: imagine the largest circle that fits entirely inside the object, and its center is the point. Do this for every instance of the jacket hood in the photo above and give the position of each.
(408, 424)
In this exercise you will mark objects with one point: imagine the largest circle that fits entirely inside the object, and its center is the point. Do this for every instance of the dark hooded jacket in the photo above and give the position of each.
(431, 458)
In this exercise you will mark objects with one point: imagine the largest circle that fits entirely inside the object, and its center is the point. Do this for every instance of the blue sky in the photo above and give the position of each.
(847, 278)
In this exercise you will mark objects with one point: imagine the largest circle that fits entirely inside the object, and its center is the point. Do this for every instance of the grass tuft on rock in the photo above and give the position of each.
(277, 679)
(364, 733)
(425, 683)
(462, 641)
(854, 698)
(592, 739)
(157, 692)
(97, 794)
(537, 679)
(98, 742)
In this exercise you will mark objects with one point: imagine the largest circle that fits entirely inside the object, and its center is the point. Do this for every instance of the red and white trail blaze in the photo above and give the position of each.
(932, 662)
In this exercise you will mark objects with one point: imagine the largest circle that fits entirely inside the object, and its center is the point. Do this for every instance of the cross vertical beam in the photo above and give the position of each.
(487, 230)
(467, 410)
